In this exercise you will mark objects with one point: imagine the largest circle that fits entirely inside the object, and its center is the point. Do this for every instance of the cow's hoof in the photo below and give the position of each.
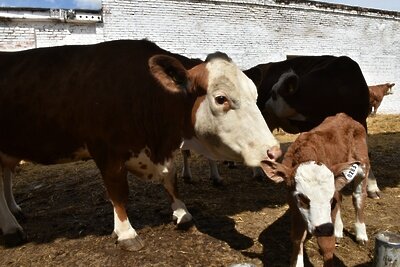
(182, 218)
(187, 179)
(231, 165)
(14, 239)
(374, 194)
(217, 182)
(362, 242)
(132, 244)
(20, 216)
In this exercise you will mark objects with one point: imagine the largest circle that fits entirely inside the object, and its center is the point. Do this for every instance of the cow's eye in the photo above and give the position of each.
(303, 200)
(220, 100)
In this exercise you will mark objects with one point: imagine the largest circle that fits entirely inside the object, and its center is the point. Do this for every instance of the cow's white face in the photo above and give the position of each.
(277, 104)
(315, 188)
(227, 121)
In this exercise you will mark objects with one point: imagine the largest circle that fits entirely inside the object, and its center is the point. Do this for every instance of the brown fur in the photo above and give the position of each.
(113, 98)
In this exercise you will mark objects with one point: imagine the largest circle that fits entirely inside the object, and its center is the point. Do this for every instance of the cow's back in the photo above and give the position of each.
(336, 140)
(327, 85)
(54, 100)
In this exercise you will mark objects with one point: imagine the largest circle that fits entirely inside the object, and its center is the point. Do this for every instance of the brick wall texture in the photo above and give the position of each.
(249, 31)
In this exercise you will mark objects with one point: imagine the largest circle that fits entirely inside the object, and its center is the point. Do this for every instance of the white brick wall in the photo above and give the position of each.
(250, 31)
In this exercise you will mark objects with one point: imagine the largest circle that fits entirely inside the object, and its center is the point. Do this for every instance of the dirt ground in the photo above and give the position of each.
(69, 219)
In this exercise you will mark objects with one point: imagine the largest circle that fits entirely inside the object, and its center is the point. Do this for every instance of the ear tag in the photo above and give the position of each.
(351, 172)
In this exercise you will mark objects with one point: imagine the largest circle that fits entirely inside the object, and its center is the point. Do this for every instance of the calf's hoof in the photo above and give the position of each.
(374, 194)
(15, 239)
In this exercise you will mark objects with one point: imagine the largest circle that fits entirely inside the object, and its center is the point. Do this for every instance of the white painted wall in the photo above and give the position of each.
(249, 31)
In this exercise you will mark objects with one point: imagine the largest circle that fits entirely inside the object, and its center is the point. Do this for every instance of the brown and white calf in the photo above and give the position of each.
(376, 94)
(317, 165)
(127, 104)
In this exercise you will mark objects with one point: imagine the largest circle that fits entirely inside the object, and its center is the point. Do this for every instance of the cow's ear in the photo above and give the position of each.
(255, 75)
(345, 173)
(170, 72)
(275, 171)
(289, 83)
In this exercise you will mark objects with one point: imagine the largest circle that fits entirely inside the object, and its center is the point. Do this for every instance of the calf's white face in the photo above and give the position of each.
(315, 187)
(228, 122)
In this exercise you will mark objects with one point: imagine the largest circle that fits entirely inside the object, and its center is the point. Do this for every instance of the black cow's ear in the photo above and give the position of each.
(170, 73)
(255, 75)
(289, 84)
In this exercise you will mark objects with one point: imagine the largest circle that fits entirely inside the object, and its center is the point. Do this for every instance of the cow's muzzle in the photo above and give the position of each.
(274, 153)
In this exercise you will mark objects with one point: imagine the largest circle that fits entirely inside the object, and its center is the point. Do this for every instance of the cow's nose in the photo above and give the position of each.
(325, 229)
(274, 153)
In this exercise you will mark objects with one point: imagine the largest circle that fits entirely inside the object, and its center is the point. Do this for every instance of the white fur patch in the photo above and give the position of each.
(142, 166)
(123, 229)
(361, 231)
(317, 183)
(338, 225)
(180, 212)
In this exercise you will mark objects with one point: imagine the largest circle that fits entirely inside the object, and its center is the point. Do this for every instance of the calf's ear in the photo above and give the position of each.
(275, 171)
(170, 73)
(345, 173)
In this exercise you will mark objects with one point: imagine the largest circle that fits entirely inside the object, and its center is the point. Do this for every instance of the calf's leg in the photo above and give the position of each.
(372, 186)
(298, 235)
(359, 197)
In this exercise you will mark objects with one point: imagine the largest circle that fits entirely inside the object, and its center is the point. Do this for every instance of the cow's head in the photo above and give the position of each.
(313, 189)
(276, 110)
(224, 116)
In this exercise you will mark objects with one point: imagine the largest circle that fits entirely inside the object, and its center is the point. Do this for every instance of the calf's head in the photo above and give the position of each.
(224, 116)
(313, 190)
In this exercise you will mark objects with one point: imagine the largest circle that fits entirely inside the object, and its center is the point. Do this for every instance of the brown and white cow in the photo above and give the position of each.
(315, 168)
(297, 94)
(376, 94)
(127, 105)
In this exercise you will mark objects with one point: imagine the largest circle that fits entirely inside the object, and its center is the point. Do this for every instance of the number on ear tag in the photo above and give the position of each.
(351, 172)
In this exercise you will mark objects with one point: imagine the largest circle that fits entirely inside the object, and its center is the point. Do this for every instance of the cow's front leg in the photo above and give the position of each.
(359, 197)
(114, 173)
(180, 212)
